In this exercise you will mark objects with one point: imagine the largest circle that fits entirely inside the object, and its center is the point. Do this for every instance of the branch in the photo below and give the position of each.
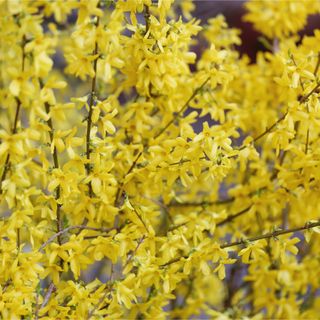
(307, 226)
(267, 130)
(56, 166)
(91, 103)
(317, 65)
(233, 216)
(120, 188)
(48, 294)
(274, 234)
(306, 97)
(16, 117)
(201, 204)
(91, 313)
(80, 227)
(182, 109)
(147, 17)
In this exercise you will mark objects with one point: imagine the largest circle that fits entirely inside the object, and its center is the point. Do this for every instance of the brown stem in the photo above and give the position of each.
(317, 65)
(306, 97)
(80, 227)
(269, 235)
(147, 17)
(201, 204)
(233, 216)
(56, 166)
(89, 118)
(16, 117)
(182, 109)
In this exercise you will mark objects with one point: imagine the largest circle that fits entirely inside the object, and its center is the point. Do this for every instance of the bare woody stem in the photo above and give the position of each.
(269, 235)
(14, 129)
(147, 17)
(16, 117)
(56, 166)
(80, 227)
(182, 109)
(233, 216)
(91, 104)
(273, 234)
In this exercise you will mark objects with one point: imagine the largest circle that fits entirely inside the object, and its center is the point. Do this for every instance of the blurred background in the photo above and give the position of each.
(234, 10)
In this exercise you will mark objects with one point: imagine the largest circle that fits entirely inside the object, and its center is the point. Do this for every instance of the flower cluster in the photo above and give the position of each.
(116, 199)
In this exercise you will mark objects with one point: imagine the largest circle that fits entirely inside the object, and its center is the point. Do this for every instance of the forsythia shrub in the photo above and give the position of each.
(113, 204)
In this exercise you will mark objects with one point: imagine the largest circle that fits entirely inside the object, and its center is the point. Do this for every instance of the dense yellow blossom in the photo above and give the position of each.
(118, 201)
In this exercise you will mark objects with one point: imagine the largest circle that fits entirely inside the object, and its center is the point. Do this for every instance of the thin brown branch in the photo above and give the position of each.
(121, 185)
(147, 17)
(234, 216)
(201, 204)
(316, 69)
(270, 235)
(56, 166)
(80, 227)
(140, 218)
(95, 308)
(6, 166)
(135, 251)
(182, 109)
(50, 290)
(267, 130)
(306, 97)
(91, 104)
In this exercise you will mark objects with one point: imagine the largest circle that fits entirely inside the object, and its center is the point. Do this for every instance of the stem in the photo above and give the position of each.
(317, 65)
(14, 131)
(56, 166)
(269, 235)
(120, 188)
(306, 97)
(274, 234)
(233, 216)
(147, 17)
(80, 227)
(201, 204)
(91, 103)
(267, 130)
(16, 117)
(177, 115)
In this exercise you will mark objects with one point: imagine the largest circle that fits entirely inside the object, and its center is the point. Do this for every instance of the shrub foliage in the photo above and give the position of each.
(140, 180)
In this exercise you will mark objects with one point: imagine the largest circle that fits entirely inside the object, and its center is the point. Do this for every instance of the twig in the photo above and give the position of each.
(140, 218)
(134, 252)
(91, 313)
(91, 103)
(46, 299)
(306, 97)
(177, 115)
(269, 235)
(201, 204)
(147, 17)
(317, 65)
(56, 166)
(120, 188)
(80, 227)
(16, 117)
(233, 216)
